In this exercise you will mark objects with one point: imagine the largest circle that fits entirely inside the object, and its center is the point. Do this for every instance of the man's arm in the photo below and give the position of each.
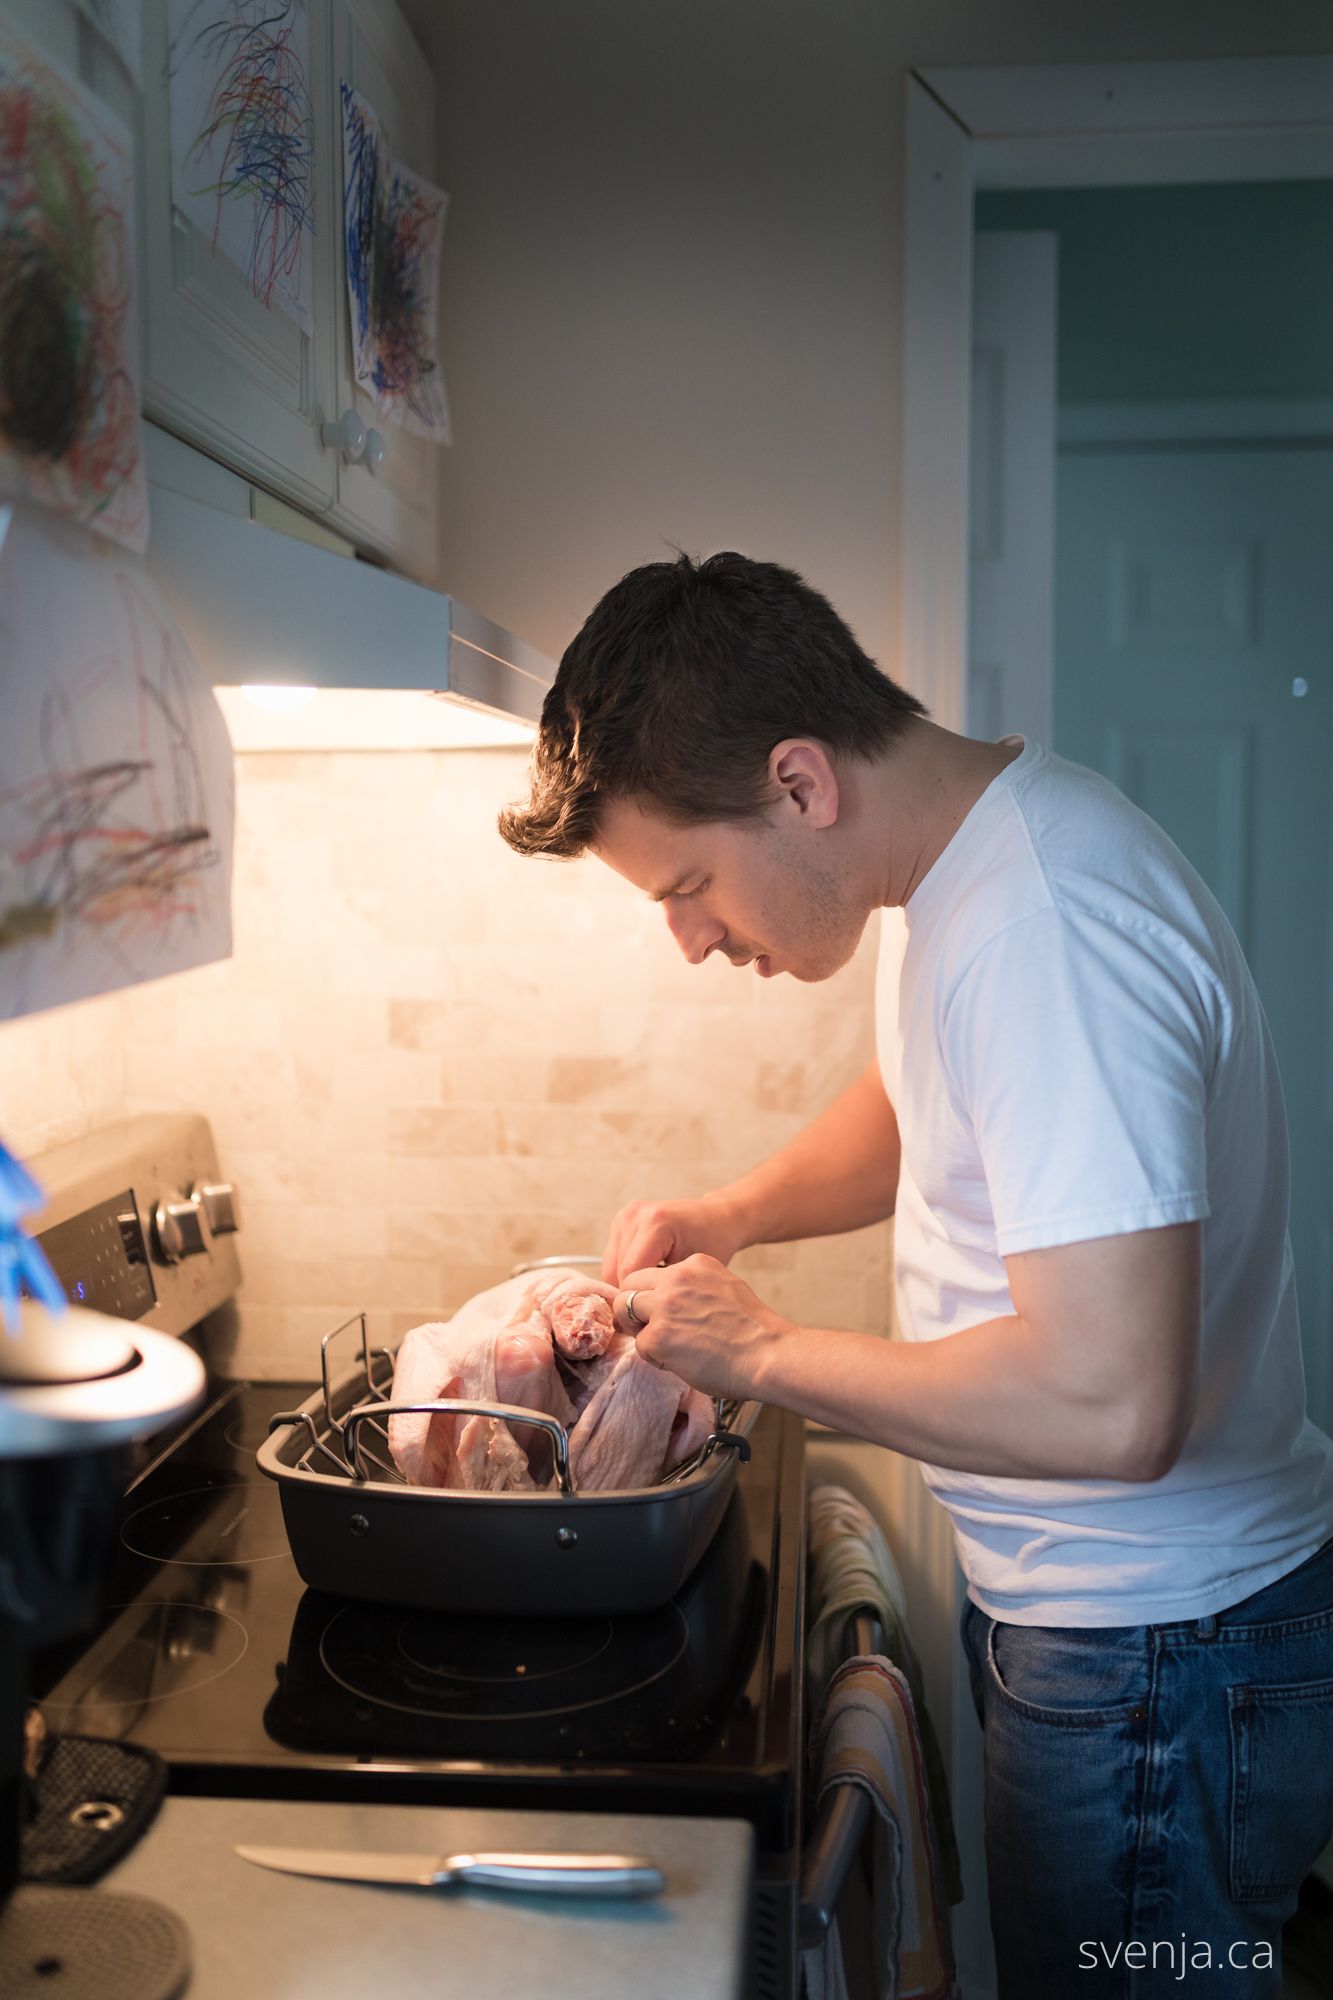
(840, 1173)
(1092, 1376)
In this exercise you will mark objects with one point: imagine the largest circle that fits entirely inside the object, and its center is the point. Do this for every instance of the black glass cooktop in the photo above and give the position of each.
(214, 1654)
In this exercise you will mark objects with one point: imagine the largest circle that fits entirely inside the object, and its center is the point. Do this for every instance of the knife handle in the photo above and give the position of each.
(559, 1874)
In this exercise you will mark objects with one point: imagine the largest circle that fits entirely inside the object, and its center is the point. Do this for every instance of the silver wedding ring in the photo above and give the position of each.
(629, 1309)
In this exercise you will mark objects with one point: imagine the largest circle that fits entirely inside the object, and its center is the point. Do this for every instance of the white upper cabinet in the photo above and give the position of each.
(243, 379)
(392, 505)
(223, 370)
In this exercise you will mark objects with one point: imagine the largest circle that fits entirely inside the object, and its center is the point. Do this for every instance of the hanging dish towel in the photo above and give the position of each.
(852, 1570)
(867, 1735)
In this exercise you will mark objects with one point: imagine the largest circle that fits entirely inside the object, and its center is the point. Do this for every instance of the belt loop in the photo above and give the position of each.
(1206, 1628)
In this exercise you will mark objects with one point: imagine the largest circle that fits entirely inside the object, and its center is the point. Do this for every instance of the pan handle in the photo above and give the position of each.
(512, 1413)
(549, 1263)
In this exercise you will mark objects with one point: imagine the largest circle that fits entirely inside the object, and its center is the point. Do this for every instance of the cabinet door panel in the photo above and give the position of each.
(393, 510)
(223, 369)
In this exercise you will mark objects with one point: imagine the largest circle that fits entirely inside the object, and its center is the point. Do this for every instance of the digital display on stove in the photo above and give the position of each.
(101, 1258)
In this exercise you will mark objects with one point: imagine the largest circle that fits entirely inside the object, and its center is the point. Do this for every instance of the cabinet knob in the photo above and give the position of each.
(348, 435)
(373, 455)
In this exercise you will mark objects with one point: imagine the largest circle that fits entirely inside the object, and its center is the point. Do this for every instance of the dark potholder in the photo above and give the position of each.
(71, 1944)
(93, 1800)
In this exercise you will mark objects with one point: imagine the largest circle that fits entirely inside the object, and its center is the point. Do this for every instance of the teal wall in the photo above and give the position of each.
(1177, 292)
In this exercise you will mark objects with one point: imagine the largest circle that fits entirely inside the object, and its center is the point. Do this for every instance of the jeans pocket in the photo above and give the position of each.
(1281, 1785)
(1073, 1677)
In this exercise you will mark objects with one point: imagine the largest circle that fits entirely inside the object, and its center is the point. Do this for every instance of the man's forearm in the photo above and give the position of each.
(986, 1400)
(840, 1173)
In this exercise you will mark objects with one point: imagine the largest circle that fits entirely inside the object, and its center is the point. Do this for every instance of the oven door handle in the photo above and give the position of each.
(842, 1824)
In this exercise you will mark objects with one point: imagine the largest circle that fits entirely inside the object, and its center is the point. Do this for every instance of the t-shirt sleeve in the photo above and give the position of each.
(1080, 1050)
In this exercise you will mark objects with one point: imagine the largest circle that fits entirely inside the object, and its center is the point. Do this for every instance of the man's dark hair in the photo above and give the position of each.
(678, 686)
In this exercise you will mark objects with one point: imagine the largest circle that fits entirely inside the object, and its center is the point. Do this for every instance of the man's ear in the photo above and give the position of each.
(801, 772)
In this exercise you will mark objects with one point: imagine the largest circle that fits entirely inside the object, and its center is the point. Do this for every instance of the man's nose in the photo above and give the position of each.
(695, 933)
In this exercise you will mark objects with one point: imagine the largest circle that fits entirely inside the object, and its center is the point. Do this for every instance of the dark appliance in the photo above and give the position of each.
(214, 1653)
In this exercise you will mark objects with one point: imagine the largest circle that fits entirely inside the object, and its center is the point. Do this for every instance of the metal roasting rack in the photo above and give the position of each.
(361, 1454)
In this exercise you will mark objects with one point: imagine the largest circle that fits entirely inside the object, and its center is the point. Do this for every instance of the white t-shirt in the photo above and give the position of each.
(1075, 1048)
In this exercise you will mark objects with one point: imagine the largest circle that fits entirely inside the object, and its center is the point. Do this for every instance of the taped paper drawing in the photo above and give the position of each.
(393, 223)
(70, 436)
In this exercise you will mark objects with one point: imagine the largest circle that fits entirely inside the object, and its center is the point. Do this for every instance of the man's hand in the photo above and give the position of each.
(702, 1322)
(665, 1232)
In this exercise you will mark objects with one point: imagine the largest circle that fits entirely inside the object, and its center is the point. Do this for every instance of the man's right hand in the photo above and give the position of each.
(646, 1233)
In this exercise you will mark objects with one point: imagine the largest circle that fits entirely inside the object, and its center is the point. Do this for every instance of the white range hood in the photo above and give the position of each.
(258, 607)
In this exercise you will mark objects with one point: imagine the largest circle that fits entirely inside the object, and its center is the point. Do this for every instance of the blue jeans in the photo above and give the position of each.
(1155, 1794)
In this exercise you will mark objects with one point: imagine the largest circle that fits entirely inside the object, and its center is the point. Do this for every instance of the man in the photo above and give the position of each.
(1076, 1118)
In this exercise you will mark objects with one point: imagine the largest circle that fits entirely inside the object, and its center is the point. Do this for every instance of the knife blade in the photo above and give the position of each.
(558, 1874)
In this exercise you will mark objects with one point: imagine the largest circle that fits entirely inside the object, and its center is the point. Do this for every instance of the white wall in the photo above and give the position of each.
(671, 293)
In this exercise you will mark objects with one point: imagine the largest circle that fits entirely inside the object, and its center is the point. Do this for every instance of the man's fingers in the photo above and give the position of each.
(631, 1310)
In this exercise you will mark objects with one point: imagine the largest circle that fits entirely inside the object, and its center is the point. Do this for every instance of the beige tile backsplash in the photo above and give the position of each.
(430, 1058)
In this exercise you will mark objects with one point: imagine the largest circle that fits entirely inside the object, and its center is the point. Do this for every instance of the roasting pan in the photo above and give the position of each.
(358, 1530)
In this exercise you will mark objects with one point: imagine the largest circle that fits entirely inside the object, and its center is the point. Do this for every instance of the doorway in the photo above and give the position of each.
(1151, 517)
(1165, 126)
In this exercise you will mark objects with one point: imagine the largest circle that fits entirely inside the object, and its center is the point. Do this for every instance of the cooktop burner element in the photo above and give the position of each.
(493, 1670)
(495, 1649)
(247, 1432)
(208, 1526)
(166, 1650)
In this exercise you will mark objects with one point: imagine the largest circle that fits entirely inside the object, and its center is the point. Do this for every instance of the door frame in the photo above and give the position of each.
(1049, 125)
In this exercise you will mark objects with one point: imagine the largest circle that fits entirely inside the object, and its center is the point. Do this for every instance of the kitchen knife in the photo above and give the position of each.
(550, 1874)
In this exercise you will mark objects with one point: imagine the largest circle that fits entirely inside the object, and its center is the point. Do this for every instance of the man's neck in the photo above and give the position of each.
(916, 798)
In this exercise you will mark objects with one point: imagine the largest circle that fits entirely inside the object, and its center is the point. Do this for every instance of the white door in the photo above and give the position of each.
(1194, 666)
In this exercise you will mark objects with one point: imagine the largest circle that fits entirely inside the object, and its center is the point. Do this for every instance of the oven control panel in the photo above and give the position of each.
(101, 1257)
(140, 1222)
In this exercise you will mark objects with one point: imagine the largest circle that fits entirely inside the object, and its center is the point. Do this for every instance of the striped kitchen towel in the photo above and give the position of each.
(851, 1569)
(867, 1735)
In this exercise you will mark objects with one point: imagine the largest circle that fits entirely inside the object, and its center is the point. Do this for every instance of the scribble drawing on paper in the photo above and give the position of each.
(115, 792)
(242, 140)
(70, 435)
(393, 223)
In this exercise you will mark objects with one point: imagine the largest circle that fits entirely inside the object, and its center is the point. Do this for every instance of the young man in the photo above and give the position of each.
(1076, 1118)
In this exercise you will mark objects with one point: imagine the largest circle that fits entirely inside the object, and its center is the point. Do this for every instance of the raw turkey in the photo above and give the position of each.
(546, 1341)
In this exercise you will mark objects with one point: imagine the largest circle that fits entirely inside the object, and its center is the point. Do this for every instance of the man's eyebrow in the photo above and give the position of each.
(660, 895)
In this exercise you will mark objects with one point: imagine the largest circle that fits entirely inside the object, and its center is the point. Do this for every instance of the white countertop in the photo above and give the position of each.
(257, 1933)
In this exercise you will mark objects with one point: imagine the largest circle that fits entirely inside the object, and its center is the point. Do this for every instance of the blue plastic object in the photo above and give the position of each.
(22, 1262)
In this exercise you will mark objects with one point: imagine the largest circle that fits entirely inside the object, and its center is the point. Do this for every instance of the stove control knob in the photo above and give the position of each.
(221, 1205)
(178, 1227)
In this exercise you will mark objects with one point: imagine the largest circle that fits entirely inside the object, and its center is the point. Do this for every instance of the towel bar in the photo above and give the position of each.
(842, 1824)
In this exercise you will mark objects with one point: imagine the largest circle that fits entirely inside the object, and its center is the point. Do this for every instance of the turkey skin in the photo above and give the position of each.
(545, 1341)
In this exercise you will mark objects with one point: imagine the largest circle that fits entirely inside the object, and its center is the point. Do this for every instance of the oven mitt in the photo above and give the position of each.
(93, 1800)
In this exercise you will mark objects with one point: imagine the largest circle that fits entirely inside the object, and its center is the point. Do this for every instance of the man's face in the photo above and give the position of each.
(769, 892)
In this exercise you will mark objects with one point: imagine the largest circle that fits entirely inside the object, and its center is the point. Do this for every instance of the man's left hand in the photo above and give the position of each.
(703, 1322)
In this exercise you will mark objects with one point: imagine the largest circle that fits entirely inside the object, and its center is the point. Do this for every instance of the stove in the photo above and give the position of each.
(212, 1652)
